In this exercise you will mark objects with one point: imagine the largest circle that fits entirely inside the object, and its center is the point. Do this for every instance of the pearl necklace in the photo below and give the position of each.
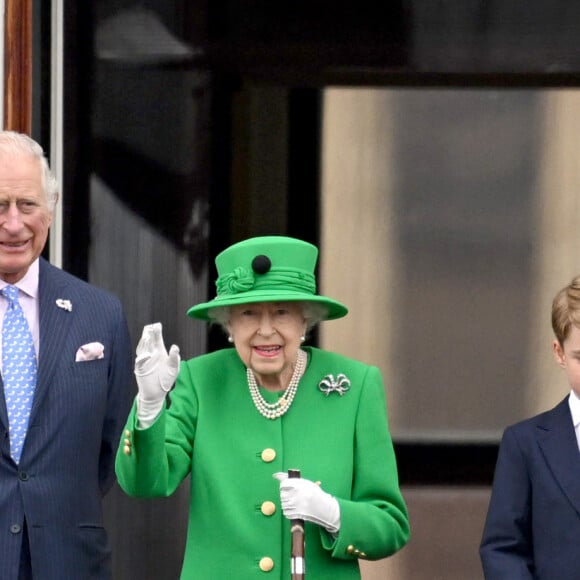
(281, 406)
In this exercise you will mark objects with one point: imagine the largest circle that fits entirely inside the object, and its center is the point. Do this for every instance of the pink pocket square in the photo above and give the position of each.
(90, 351)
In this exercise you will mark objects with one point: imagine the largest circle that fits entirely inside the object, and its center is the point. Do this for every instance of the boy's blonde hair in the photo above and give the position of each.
(566, 310)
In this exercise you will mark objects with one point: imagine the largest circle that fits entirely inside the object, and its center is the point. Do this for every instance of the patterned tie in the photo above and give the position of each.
(18, 370)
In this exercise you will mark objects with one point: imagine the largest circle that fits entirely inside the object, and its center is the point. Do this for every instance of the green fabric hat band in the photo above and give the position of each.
(243, 279)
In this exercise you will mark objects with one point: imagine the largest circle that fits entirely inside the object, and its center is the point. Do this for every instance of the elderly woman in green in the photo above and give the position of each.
(241, 417)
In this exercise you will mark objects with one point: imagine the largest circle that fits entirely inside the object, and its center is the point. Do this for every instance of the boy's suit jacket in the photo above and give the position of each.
(533, 522)
(67, 463)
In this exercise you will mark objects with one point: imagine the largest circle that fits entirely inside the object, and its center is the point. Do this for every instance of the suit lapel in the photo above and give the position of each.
(54, 324)
(557, 440)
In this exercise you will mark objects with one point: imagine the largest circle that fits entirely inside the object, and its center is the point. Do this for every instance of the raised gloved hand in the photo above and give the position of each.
(304, 500)
(155, 371)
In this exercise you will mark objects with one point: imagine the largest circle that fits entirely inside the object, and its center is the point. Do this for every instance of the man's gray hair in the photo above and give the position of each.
(12, 143)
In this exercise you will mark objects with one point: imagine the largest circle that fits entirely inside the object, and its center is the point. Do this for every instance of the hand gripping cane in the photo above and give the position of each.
(297, 562)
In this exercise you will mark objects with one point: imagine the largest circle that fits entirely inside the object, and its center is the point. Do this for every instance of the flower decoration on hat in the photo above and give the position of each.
(339, 385)
(240, 280)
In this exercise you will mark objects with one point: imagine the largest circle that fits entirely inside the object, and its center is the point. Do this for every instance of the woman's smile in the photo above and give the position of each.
(267, 351)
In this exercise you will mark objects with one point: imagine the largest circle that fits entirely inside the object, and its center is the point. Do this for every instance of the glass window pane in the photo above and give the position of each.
(447, 227)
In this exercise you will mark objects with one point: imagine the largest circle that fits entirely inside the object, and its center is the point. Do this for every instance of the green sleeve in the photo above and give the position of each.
(157, 459)
(374, 521)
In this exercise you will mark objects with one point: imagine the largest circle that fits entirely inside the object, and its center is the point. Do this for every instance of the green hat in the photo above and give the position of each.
(267, 269)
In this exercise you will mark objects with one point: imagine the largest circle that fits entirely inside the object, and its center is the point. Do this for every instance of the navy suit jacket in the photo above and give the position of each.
(67, 462)
(532, 528)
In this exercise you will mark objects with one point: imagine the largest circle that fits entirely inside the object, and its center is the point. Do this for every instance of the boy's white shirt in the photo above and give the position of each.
(574, 403)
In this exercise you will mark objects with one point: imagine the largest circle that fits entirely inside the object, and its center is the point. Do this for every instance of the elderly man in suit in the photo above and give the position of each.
(66, 384)
(532, 529)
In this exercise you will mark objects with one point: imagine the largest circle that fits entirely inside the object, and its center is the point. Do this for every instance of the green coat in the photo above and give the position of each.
(213, 431)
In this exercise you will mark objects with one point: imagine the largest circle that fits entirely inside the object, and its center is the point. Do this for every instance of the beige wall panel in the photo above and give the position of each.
(356, 164)
(446, 527)
(558, 239)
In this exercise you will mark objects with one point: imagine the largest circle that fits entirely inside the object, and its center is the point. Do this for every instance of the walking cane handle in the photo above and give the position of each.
(297, 562)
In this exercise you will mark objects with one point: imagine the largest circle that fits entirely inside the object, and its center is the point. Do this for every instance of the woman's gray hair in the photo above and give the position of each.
(12, 143)
(313, 313)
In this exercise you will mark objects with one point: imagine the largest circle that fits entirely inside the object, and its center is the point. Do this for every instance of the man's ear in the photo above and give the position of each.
(559, 353)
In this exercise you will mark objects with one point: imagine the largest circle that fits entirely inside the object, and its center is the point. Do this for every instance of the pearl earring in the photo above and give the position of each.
(302, 338)
(230, 338)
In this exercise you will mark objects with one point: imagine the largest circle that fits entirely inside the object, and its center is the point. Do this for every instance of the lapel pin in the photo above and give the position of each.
(64, 304)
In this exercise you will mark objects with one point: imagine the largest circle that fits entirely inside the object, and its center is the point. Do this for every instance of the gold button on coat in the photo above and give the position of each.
(266, 564)
(268, 455)
(127, 443)
(268, 508)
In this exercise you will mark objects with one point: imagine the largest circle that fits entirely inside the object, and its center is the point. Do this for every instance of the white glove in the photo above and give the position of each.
(303, 499)
(155, 371)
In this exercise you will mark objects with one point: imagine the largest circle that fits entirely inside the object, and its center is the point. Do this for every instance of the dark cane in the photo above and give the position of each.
(297, 564)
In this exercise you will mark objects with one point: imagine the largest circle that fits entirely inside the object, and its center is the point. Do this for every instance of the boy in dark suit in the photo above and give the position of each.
(532, 530)
(67, 369)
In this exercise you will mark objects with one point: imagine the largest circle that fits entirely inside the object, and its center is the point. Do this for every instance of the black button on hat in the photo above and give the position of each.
(261, 264)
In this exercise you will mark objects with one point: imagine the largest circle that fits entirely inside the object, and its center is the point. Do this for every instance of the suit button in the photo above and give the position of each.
(15, 529)
(23, 476)
(266, 564)
(268, 508)
(268, 455)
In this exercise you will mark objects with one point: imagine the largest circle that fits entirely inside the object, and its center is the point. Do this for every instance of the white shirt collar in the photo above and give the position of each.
(574, 403)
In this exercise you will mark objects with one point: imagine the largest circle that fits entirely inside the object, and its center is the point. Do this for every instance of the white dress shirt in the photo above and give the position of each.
(574, 402)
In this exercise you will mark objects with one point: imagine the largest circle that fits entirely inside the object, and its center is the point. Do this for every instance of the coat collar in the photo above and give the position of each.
(54, 325)
(555, 434)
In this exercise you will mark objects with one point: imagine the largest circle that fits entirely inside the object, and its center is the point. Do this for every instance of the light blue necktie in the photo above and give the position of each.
(18, 370)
